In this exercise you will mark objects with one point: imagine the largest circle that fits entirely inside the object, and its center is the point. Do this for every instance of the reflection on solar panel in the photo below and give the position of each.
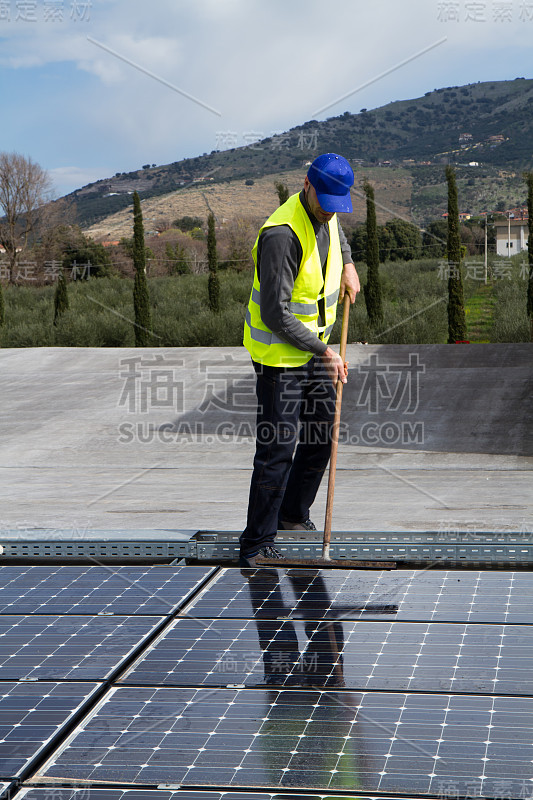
(30, 715)
(361, 655)
(303, 739)
(68, 647)
(432, 596)
(97, 590)
(180, 794)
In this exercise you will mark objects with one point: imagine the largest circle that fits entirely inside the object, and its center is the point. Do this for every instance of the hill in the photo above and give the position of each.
(490, 123)
(249, 199)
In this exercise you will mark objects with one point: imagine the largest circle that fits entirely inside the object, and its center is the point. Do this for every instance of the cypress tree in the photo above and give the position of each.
(529, 181)
(456, 309)
(60, 298)
(283, 192)
(141, 298)
(182, 266)
(372, 289)
(213, 283)
(170, 258)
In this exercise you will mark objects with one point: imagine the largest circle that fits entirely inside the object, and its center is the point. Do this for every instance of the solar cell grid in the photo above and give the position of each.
(68, 647)
(387, 742)
(433, 596)
(360, 655)
(30, 715)
(97, 590)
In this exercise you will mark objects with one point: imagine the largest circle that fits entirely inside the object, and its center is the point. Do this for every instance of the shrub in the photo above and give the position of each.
(101, 310)
(510, 321)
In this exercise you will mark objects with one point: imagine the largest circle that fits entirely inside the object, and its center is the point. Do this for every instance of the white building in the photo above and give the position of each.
(519, 233)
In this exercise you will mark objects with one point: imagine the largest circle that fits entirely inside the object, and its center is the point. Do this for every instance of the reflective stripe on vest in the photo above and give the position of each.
(332, 298)
(265, 337)
(297, 308)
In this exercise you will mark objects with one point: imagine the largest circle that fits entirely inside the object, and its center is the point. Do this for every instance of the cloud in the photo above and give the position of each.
(70, 178)
(112, 58)
(265, 65)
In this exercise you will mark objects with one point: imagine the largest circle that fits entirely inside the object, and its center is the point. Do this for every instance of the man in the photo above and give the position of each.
(303, 265)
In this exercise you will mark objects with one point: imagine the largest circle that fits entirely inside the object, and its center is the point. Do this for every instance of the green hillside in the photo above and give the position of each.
(453, 125)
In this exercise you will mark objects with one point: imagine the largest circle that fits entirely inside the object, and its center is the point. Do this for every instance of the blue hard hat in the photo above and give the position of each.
(331, 176)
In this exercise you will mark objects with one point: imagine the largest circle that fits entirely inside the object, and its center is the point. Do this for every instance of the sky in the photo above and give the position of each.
(91, 88)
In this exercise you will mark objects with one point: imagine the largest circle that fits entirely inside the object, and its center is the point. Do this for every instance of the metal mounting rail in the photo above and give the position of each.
(67, 549)
(502, 549)
(421, 548)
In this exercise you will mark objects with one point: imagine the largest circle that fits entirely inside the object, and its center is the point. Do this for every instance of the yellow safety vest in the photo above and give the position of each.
(309, 287)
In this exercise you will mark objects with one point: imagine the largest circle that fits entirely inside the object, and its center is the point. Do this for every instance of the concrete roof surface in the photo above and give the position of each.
(160, 440)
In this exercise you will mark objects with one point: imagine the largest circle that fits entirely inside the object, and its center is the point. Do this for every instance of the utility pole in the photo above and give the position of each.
(486, 254)
(509, 234)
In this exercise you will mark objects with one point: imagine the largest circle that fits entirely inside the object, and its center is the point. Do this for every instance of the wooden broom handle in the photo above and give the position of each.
(335, 432)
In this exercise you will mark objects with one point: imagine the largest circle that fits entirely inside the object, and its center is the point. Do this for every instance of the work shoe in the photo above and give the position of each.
(265, 552)
(307, 525)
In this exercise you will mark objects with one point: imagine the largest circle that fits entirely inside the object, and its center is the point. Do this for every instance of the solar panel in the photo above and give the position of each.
(30, 715)
(67, 647)
(3, 788)
(432, 596)
(436, 657)
(319, 740)
(180, 794)
(97, 590)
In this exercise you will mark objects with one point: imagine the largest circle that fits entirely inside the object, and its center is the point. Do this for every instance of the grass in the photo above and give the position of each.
(414, 304)
(479, 310)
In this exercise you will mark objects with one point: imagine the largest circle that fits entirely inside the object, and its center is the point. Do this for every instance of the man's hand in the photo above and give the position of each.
(336, 367)
(349, 282)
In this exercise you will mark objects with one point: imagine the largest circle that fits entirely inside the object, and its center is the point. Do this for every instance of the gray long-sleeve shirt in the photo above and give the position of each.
(279, 254)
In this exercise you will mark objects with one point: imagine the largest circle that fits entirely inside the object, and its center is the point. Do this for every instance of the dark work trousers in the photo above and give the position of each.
(295, 409)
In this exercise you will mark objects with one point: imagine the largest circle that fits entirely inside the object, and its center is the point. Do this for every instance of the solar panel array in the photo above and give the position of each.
(272, 684)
